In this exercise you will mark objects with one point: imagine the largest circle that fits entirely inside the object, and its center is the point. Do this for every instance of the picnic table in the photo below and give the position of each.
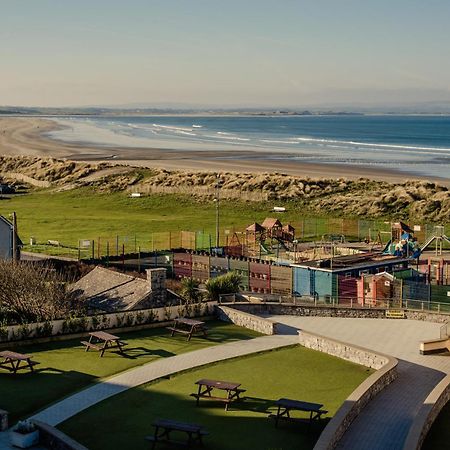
(205, 388)
(163, 427)
(13, 361)
(187, 326)
(101, 341)
(285, 405)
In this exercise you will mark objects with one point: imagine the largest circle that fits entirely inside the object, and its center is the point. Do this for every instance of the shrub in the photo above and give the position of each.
(3, 330)
(189, 290)
(25, 331)
(44, 330)
(129, 320)
(75, 324)
(224, 284)
(140, 317)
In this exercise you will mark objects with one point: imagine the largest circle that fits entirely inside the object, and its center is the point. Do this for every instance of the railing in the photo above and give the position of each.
(346, 302)
(445, 331)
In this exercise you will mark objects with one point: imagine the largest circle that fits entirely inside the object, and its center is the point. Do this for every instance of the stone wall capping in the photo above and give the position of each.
(427, 414)
(54, 439)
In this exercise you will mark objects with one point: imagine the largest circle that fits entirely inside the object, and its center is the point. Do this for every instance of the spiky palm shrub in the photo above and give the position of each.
(189, 290)
(224, 284)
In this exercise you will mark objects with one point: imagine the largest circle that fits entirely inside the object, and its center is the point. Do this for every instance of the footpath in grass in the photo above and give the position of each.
(64, 367)
(438, 437)
(296, 372)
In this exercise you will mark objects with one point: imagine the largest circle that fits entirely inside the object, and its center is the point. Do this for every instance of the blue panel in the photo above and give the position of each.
(323, 283)
(302, 281)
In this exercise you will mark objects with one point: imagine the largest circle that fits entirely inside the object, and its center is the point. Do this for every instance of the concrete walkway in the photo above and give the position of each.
(385, 422)
(68, 407)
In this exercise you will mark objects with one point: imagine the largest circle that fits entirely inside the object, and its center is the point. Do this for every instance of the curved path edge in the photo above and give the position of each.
(427, 415)
(76, 403)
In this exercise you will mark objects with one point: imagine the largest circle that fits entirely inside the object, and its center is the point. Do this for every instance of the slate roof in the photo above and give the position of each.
(110, 291)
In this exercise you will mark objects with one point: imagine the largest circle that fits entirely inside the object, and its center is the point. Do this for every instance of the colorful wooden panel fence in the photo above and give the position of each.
(200, 268)
(281, 280)
(182, 265)
(259, 277)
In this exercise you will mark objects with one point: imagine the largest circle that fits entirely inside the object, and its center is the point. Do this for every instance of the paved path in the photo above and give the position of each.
(76, 403)
(385, 422)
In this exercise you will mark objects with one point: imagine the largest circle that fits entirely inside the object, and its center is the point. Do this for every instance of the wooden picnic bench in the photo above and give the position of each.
(101, 341)
(188, 327)
(286, 405)
(13, 361)
(163, 427)
(205, 388)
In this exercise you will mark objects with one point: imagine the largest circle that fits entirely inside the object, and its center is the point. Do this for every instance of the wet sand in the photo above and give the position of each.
(26, 136)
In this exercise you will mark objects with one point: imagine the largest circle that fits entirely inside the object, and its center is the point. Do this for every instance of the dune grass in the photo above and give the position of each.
(64, 366)
(294, 372)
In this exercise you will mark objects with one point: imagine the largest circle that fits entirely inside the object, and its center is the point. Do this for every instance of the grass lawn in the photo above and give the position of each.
(295, 372)
(65, 367)
(438, 437)
(84, 213)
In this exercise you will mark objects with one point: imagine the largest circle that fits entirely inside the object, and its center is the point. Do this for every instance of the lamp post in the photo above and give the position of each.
(217, 200)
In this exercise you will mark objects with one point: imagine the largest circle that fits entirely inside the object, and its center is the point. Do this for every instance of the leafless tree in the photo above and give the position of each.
(31, 293)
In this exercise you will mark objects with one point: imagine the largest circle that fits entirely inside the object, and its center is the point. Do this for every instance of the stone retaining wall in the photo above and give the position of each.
(243, 319)
(3, 420)
(428, 413)
(362, 395)
(427, 316)
(53, 439)
(353, 353)
(335, 311)
(302, 310)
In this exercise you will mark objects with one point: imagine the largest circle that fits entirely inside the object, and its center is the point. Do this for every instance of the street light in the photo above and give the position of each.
(217, 201)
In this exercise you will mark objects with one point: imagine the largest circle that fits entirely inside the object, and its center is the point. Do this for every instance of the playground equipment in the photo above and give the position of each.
(402, 242)
(438, 237)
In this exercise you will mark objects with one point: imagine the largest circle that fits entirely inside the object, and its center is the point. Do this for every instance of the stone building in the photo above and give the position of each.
(108, 291)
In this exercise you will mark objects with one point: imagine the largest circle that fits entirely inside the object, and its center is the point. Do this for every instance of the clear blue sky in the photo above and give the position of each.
(209, 52)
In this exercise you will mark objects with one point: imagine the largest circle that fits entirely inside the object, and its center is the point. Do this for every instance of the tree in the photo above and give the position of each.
(31, 293)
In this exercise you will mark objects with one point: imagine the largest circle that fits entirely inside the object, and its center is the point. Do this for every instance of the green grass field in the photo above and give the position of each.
(123, 421)
(65, 367)
(84, 213)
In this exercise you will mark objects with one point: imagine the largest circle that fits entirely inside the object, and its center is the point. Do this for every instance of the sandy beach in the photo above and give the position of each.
(26, 136)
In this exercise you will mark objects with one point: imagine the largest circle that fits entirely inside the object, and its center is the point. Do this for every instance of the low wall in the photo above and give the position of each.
(127, 320)
(427, 316)
(53, 439)
(334, 311)
(353, 353)
(3, 420)
(386, 373)
(428, 413)
(434, 346)
(306, 310)
(243, 319)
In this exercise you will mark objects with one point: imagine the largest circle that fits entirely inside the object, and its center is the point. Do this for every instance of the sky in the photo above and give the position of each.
(252, 53)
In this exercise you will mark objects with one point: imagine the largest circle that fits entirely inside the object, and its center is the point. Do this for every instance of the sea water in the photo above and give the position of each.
(414, 144)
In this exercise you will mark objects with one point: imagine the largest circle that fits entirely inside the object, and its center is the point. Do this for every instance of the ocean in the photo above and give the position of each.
(415, 144)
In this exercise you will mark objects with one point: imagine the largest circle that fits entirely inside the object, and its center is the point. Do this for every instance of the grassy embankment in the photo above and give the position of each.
(64, 367)
(123, 421)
